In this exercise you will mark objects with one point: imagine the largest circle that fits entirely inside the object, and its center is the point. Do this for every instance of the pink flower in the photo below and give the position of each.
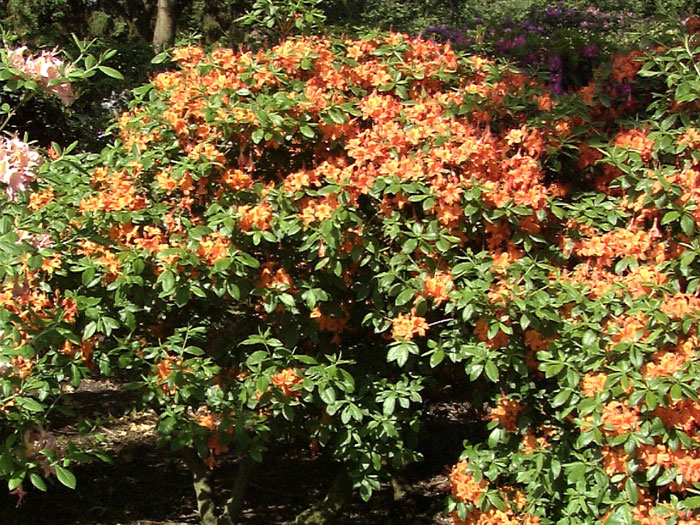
(44, 68)
(17, 165)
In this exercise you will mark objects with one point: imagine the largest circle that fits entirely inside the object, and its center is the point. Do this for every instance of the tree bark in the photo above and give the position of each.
(205, 495)
(164, 32)
(202, 488)
(234, 505)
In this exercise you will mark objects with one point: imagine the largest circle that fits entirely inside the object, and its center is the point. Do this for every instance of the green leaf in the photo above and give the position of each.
(307, 131)
(160, 58)
(16, 481)
(388, 406)
(405, 296)
(589, 337)
(257, 135)
(32, 405)
(256, 358)
(37, 481)
(167, 279)
(491, 371)
(687, 224)
(576, 472)
(111, 72)
(65, 476)
(437, 358)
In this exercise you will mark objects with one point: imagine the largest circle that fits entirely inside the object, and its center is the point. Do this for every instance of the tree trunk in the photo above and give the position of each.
(202, 488)
(164, 33)
(205, 495)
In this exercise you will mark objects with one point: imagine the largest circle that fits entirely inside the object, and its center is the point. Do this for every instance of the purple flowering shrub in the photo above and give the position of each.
(565, 44)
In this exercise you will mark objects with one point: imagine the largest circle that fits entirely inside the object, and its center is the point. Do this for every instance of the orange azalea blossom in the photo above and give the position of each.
(51, 264)
(668, 362)
(258, 216)
(625, 67)
(467, 490)
(236, 179)
(588, 156)
(532, 443)
(21, 367)
(313, 210)
(213, 248)
(115, 193)
(534, 340)
(627, 329)
(70, 309)
(618, 418)
(691, 137)
(463, 485)
(404, 327)
(592, 384)
(437, 287)
(331, 324)
(164, 368)
(637, 140)
(680, 305)
(481, 329)
(506, 413)
(621, 243)
(288, 381)
(38, 200)
(683, 414)
(615, 460)
(269, 278)
(166, 181)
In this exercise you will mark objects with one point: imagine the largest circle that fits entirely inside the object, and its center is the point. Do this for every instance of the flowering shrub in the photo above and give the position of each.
(565, 43)
(600, 423)
(305, 243)
(47, 69)
(24, 75)
(18, 164)
(32, 311)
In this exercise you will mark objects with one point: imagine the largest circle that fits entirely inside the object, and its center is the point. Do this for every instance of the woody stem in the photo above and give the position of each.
(202, 488)
(234, 505)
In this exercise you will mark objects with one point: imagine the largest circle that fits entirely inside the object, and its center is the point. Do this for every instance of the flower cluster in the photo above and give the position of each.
(316, 239)
(47, 68)
(18, 165)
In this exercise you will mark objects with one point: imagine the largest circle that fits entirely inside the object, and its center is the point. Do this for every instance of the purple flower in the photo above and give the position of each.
(590, 51)
(555, 63)
(519, 41)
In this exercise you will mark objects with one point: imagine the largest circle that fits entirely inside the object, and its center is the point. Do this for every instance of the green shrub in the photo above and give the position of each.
(307, 242)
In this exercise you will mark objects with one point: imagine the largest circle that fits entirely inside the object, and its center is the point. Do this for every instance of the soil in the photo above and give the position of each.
(144, 484)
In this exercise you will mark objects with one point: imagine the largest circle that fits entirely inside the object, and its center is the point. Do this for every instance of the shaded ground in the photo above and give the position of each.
(147, 485)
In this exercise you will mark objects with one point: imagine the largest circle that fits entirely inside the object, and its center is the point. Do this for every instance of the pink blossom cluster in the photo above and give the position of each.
(18, 163)
(43, 68)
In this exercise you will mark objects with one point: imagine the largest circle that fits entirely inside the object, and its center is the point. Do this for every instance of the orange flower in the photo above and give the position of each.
(213, 248)
(591, 383)
(404, 327)
(40, 199)
(506, 413)
(463, 485)
(288, 381)
(637, 140)
(438, 287)
(618, 418)
(615, 460)
(481, 329)
(258, 216)
(531, 443)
